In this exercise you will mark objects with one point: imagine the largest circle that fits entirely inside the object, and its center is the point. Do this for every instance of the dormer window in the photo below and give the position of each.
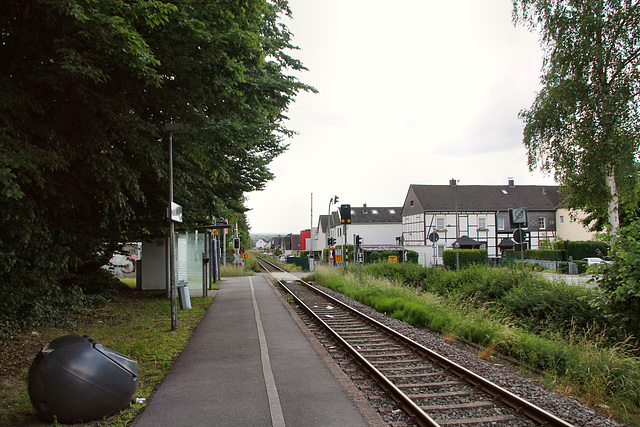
(392, 211)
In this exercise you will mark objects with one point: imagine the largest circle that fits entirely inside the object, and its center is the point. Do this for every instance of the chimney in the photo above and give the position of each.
(364, 209)
(512, 182)
(453, 182)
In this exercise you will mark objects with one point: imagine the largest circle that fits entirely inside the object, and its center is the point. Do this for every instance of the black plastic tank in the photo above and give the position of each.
(76, 379)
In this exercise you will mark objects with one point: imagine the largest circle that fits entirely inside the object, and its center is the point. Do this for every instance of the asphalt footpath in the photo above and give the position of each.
(249, 363)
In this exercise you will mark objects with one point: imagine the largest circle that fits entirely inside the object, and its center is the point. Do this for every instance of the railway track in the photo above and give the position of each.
(431, 389)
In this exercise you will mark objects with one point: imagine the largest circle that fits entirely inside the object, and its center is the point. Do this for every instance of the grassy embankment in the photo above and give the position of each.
(137, 324)
(578, 362)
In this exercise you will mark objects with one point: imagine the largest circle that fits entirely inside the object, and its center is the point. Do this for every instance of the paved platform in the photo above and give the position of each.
(250, 364)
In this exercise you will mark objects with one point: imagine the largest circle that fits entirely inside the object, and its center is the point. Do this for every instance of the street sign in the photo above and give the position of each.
(360, 257)
(176, 212)
(518, 217)
(433, 237)
(519, 236)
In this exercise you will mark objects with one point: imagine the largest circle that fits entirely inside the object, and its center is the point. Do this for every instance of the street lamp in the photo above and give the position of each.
(171, 128)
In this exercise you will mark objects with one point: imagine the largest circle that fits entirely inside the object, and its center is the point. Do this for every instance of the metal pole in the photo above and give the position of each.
(457, 231)
(172, 278)
(329, 233)
(311, 228)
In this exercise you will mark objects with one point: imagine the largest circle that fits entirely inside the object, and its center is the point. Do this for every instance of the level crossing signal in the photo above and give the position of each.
(236, 243)
(345, 214)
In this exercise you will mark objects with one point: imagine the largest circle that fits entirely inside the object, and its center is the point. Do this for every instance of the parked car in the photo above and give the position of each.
(595, 260)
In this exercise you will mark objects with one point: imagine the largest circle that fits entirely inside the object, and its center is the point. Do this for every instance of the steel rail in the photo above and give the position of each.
(531, 410)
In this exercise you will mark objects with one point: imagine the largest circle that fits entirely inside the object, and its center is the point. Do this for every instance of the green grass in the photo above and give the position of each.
(137, 324)
(579, 364)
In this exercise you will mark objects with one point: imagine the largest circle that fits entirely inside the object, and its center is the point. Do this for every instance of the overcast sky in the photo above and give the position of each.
(410, 92)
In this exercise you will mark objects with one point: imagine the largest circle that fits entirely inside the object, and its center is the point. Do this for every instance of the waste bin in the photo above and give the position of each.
(183, 295)
(76, 379)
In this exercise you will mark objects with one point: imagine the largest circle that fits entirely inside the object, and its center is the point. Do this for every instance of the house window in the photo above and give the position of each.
(561, 219)
(541, 224)
(411, 203)
(374, 211)
(500, 223)
(440, 223)
(440, 250)
(482, 223)
(392, 211)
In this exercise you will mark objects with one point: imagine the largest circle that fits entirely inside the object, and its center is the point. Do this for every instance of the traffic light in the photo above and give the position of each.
(335, 200)
(236, 243)
(345, 214)
(358, 240)
(331, 241)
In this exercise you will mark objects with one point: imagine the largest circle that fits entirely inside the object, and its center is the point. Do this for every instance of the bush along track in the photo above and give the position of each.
(578, 356)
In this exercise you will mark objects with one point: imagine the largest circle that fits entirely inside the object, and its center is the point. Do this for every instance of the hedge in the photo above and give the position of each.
(467, 257)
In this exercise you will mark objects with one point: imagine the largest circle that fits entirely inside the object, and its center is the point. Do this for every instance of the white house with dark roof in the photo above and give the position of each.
(379, 227)
(434, 217)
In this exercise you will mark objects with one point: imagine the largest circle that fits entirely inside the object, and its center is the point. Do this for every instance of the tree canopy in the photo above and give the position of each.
(584, 124)
(85, 90)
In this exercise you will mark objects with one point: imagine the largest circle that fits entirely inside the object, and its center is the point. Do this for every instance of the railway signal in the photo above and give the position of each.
(357, 240)
(345, 214)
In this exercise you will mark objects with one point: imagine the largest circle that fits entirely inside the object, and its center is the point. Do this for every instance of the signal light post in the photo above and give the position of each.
(345, 218)
(334, 200)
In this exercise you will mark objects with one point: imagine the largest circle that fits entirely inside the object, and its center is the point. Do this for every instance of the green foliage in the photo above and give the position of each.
(466, 257)
(85, 90)
(412, 256)
(620, 282)
(542, 305)
(583, 125)
(54, 304)
(585, 362)
(543, 254)
(583, 249)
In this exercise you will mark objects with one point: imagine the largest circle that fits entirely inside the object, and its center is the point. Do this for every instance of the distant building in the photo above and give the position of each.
(435, 217)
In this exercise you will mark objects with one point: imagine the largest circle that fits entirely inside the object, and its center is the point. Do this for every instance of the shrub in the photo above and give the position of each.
(551, 305)
(412, 256)
(466, 257)
(583, 249)
(620, 281)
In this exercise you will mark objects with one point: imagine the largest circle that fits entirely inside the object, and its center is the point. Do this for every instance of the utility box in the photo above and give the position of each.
(75, 379)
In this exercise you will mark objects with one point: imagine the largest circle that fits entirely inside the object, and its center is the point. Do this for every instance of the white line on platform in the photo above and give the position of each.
(277, 418)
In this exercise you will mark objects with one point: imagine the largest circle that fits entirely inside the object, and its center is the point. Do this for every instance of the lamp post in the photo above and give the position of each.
(171, 128)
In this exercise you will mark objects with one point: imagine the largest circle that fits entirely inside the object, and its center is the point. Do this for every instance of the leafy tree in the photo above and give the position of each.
(584, 123)
(85, 90)
(620, 281)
